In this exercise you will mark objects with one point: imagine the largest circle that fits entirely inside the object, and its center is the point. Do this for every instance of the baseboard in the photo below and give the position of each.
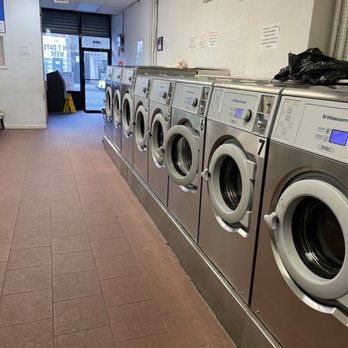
(25, 127)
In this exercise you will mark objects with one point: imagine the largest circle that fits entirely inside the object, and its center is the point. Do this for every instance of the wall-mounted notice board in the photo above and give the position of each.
(2, 17)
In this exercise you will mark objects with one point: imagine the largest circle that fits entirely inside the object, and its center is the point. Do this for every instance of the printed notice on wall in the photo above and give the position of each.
(192, 43)
(24, 51)
(202, 41)
(212, 38)
(2, 17)
(165, 44)
(270, 36)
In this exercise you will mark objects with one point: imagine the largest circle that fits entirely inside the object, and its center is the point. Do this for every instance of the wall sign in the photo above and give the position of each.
(2, 17)
(270, 36)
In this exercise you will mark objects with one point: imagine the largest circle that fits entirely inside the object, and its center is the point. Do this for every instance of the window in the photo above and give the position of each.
(61, 52)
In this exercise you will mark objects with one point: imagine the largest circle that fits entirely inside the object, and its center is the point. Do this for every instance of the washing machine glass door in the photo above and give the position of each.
(181, 154)
(310, 227)
(127, 114)
(159, 128)
(230, 179)
(117, 108)
(108, 103)
(141, 127)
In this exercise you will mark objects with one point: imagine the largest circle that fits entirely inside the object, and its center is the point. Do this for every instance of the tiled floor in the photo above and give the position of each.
(77, 270)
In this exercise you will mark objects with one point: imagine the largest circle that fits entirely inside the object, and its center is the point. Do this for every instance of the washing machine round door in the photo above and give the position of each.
(310, 227)
(117, 108)
(141, 127)
(231, 185)
(159, 128)
(108, 103)
(181, 154)
(127, 114)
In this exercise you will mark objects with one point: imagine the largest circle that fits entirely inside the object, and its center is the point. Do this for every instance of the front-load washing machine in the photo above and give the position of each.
(159, 122)
(183, 150)
(116, 110)
(141, 124)
(129, 77)
(300, 289)
(239, 122)
(108, 103)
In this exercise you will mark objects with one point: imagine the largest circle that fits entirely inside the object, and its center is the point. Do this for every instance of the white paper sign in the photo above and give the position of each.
(270, 36)
(212, 38)
(61, 1)
(165, 44)
(202, 41)
(192, 43)
(24, 51)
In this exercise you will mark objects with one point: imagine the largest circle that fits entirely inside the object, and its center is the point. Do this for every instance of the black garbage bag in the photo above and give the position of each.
(313, 67)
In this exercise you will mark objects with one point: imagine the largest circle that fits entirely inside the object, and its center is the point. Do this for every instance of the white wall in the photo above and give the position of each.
(238, 24)
(22, 89)
(137, 26)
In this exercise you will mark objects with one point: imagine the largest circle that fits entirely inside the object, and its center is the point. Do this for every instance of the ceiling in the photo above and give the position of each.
(111, 7)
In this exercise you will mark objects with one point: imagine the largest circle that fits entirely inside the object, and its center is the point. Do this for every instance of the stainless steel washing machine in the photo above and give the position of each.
(300, 289)
(141, 124)
(108, 103)
(116, 110)
(183, 150)
(239, 122)
(159, 123)
(129, 76)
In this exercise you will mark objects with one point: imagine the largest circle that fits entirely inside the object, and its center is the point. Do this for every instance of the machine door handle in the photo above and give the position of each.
(272, 220)
(205, 174)
(160, 151)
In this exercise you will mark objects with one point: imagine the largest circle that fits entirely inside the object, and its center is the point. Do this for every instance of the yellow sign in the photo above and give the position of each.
(69, 104)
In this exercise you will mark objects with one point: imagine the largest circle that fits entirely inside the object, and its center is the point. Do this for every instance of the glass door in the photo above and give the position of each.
(95, 63)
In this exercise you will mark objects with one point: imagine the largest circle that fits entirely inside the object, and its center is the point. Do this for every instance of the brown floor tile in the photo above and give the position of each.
(152, 251)
(96, 207)
(172, 295)
(62, 204)
(125, 290)
(29, 258)
(6, 235)
(155, 341)
(25, 307)
(33, 226)
(91, 188)
(101, 232)
(137, 221)
(3, 266)
(38, 334)
(64, 194)
(31, 240)
(4, 251)
(69, 228)
(93, 197)
(223, 344)
(7, 222)
(79, 314)
(100, 218)
(69, 244)
(135, 320)
(110, 247)
(158, 273)
(66, 215)
(94, 338)
(141, 235)
(8, 207)
(117, 266)
(33, 213)
(74, 285)
(194, 328)
(128, 209)
(27, 279)
(73, 262)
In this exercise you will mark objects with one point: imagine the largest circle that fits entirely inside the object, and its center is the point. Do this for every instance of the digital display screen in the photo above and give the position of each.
(338, 137)
(239, 113)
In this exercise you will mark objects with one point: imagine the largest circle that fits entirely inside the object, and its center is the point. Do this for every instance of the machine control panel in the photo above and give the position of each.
(128, 76)
(142, 86)
(190, 97)
(109, 72)
(117, 74)
(161, 91)
(250, 111)
(314, 125)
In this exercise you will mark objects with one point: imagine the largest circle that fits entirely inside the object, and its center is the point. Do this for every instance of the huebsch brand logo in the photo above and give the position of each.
(334, 118)
(239, 101)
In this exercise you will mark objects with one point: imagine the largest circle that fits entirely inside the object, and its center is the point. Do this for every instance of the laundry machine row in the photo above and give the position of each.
(107, 115)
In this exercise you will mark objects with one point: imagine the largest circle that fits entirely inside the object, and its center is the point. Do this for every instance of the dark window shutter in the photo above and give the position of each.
(60, 22)
(95, 25)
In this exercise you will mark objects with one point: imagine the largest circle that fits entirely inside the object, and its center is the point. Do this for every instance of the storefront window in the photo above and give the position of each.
(61, 52)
